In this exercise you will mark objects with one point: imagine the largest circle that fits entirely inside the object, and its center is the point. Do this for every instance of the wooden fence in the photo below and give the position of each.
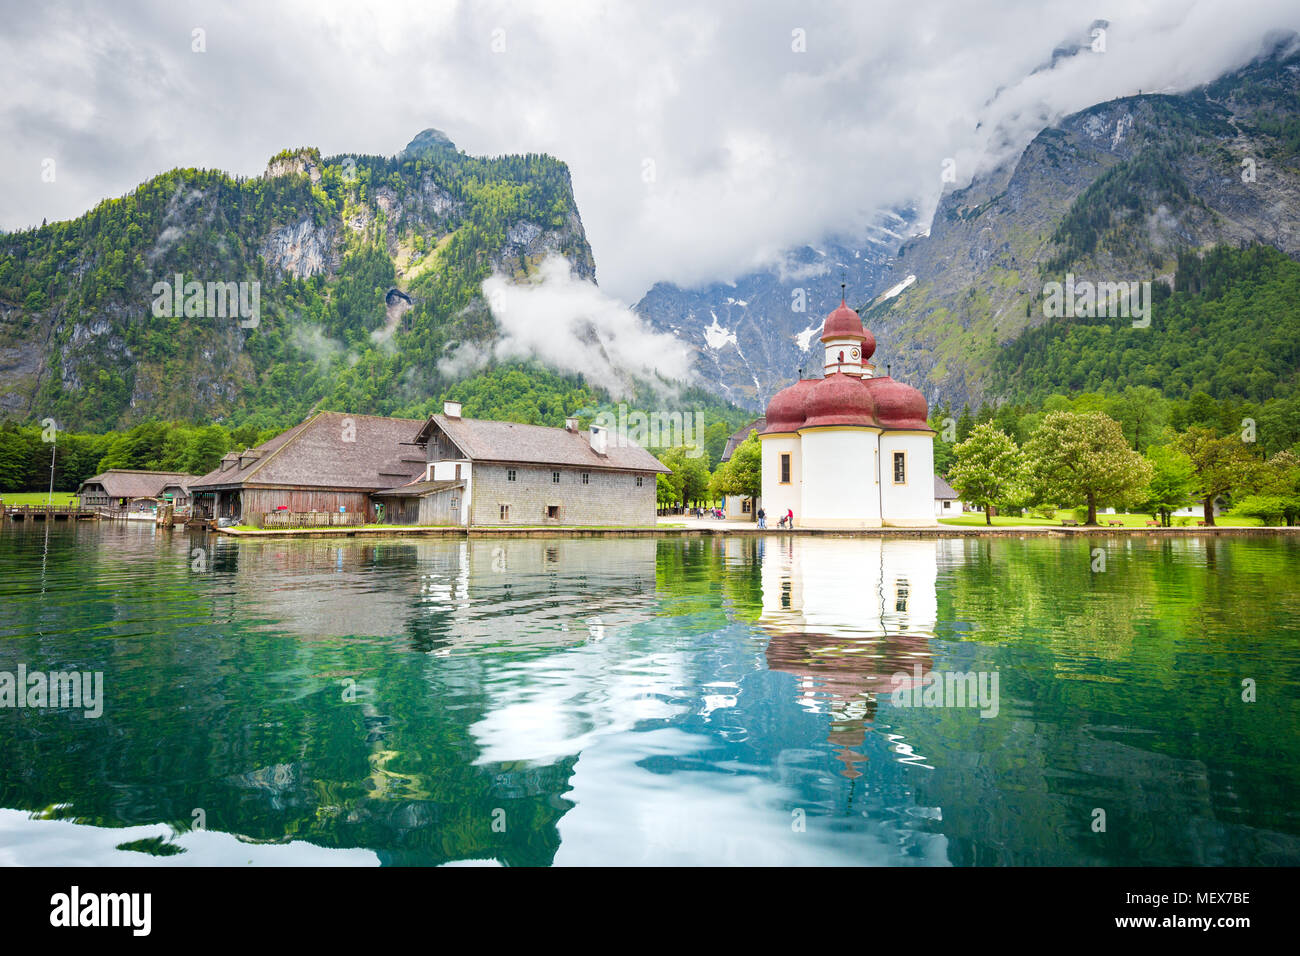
(306, 519)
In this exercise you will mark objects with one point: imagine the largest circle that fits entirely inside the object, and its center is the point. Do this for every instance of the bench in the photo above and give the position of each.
(1069, 523)
(1153, 524)
(1115, 524)
(1201, 523)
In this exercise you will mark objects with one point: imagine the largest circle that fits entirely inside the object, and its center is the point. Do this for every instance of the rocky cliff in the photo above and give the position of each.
(367, 271)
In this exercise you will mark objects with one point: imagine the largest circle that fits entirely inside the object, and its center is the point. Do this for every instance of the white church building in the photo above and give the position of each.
(852, 449)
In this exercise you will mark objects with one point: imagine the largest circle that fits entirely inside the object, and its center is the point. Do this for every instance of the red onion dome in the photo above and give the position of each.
(843, 323)
(785, 412)
(839, 399)
(898, 405)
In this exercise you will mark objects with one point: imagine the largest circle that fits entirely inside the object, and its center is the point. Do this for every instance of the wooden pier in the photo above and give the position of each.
(44, 513)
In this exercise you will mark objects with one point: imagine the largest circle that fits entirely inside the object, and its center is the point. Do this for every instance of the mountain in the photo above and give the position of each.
(1118, 192)
(1124, 191)
(752, 336)
(364, 271)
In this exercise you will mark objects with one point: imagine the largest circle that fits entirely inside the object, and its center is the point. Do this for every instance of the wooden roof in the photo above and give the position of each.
(418, 489)
(326, 452)
(510, 443)
(134, 483)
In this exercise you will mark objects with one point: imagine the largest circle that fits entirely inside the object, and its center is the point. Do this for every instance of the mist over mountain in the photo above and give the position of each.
(1114, 193)
(367, 275)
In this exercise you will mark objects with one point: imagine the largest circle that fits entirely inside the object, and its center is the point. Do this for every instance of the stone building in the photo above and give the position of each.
(503, 473)
(447, 470)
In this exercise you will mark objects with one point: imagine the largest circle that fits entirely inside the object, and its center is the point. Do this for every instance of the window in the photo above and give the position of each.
(745, 506)
(585, 476)
(555, 477)
(553, 511)
(510, 474)
(505, 512)
(900, 467)
(638, 481)
(947, 505)
(785, 469)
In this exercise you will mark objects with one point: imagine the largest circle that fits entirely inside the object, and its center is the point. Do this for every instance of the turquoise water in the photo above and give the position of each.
(651, 700)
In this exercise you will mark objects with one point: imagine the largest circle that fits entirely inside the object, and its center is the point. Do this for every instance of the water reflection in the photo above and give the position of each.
(845, 615)
(644, 700)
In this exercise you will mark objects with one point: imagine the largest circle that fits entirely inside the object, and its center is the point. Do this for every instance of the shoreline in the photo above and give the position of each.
(938, 531)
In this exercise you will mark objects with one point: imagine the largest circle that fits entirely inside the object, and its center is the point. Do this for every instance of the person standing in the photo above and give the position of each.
(762, 518)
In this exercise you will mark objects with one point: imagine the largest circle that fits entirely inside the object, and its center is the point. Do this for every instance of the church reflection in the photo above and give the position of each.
(844, 615)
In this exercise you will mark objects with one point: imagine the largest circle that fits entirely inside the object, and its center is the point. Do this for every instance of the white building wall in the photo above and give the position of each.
(446, 471)
(778, 498)
(839, 489)
(910, 504)
(854, 586)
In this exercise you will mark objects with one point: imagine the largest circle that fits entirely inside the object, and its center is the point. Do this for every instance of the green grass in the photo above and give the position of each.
(1129, 520)
(37, 497)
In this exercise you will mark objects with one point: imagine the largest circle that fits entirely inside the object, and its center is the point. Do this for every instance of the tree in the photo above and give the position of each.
(1276, 490)
(206, 449)
(984, 467)
(667, 490)
(1218, 465)
(1083, 459)
(1171, 483)
(1271, 509)
(715, 441)
(743, 474)
(1141, 412)
(690, 475)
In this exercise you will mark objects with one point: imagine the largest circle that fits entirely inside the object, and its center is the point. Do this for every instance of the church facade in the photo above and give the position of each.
(852, 449)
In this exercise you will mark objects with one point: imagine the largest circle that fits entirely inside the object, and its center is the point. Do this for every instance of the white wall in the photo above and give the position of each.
(839, 488)
(912, 503)
(446, 471)
(778, 498)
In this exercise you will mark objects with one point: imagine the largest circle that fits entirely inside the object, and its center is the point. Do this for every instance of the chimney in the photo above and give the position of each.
(598, 439)
(451, 409)
(571, 425)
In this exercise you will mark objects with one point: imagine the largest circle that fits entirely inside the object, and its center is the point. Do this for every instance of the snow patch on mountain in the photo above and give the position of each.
(715, 336)
(895, 290)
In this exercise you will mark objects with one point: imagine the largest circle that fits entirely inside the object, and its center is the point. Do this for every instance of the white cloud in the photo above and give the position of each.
(756, 148)
(571, 325)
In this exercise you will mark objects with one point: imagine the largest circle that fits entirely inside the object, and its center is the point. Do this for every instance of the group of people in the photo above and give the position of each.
(786, 520)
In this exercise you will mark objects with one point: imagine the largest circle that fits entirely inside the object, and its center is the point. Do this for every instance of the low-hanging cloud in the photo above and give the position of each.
(571, 325)
(703, 140)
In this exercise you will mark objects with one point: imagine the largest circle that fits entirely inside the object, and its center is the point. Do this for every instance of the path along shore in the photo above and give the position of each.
(708, 527)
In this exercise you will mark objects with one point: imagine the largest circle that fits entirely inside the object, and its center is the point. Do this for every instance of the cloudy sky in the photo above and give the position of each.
(703, 137)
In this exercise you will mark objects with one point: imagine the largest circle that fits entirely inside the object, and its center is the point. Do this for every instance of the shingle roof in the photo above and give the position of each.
(484, 440)
(417, 489)
(740, 434)
(943, 490)
(326, 452)
(133, 483)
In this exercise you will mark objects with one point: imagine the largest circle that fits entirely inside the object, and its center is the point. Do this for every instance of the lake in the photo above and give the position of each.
(650, 700)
